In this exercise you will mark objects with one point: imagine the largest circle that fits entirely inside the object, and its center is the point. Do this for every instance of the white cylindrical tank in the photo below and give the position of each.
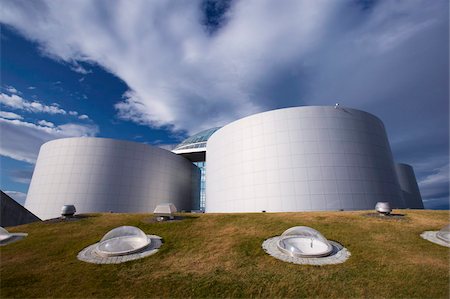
(301, 159)
(102, 175)
(408, 185)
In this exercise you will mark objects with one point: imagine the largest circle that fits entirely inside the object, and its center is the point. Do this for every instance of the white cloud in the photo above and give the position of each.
(21, 140)
(267, 54)
(435, 184)
(31, 87)
(45, 123)
(20, 197)
(79, 69)
(11, 89)
(17, 102)
(9, 115)
(22, 175)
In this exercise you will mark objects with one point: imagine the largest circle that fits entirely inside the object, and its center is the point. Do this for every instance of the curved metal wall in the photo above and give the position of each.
(101, 175)
(408, 185)
(301, 159)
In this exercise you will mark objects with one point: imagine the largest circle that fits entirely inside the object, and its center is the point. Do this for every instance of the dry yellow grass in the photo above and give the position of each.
(220, 255)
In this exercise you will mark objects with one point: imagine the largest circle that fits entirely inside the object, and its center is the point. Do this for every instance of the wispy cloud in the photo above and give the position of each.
(20, 197)
(45, 123)
(436, 184)
(21, 140)
(11, 89)
(266, 55)
(22, 176)
(80, 69)
(10, 115)
(15, 101)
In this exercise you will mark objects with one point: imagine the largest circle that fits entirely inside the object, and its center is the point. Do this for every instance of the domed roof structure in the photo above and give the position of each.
(444, 234)
(4, 234)
(7, 237)
(122, 240)
(303, 241)
(197, 141)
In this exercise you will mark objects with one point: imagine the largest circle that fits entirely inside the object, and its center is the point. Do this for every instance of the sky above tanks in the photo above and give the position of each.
(158, 71)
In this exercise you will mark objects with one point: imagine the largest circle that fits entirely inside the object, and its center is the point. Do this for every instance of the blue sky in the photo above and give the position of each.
(156, 72)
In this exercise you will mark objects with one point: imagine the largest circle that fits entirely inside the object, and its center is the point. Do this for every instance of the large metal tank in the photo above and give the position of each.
(301, 159)
(102, 175)
(408, 185)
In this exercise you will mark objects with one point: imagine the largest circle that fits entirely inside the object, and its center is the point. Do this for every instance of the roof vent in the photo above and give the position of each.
(165, 211)
(68, 211)
(384, 208)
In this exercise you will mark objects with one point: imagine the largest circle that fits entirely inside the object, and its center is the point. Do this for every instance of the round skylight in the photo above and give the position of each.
(122, 240)
(7, 237)
(444, 234)
(303, 241)
(4, 234)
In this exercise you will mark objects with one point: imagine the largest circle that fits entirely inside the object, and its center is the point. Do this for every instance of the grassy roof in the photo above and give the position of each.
(220, 255)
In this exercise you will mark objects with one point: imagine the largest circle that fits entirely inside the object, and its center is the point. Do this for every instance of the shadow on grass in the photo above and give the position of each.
(70, 219)
(392, 216)
(177, 218)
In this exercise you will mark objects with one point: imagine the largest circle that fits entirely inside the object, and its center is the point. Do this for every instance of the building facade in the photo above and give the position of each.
(102, 175)
(311, 158)
(194, 149)
(301, 159)
(408, 186)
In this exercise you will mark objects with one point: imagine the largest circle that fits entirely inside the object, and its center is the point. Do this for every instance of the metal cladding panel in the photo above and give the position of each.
(102, 175)
(409, 187)
(301, 159)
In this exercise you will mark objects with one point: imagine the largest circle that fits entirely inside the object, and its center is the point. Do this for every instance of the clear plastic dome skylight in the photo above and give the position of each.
(444, 234)
(123, 240)
(4, 234)
(7, 237)
(303, 241)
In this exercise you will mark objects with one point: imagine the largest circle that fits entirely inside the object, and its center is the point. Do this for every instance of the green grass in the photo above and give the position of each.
(220, 255)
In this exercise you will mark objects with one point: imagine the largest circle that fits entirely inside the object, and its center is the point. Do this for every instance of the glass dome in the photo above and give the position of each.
(122, 240)
(196, 141)
(4, 234)
(444, 234)
(303, 241)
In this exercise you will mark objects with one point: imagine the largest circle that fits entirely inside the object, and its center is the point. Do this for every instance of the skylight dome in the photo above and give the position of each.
(122, 240)
(444, 234)
(303, 241)
(4, 234)
(7, 237)
(197, 141)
